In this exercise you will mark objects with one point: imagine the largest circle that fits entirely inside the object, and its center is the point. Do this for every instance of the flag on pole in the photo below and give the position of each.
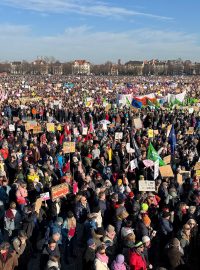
(172, 139)
(153, 155)
(91, 127)
(82, 124)
(136, 103)
(135, 147)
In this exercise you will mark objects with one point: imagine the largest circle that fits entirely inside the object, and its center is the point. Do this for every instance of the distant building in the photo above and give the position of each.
(114, 70)
(57, 68)
(39, 67)
(16, 68)
(81, 67)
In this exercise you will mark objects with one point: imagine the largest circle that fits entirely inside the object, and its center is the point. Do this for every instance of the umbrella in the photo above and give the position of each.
(104, 122)
(148, 163)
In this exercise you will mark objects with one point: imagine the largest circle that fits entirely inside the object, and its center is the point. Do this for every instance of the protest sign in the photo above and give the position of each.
(146, 185)
(156, 132)
(167, 159)
(50, 127)
(190, 131)
(68, 147)
(133, 164)
(118, 135)
(59, 191)
(11, 128)
(166, 171)
(150, 133)
(15, 119)
(179, 179)
(37, 129)
(59, 127)
(38, 205)
(138, 123)
(108, 107)
(30, 125)
(156, 169)
(191, 110)
(197, 166)
(168, 130)
(45, 196)
(85, 131)
(197, 172)
(75, 131)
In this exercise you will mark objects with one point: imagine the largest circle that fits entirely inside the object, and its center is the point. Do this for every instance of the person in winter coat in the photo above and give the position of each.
(136, 257)
(23, 249)
(53, 262)
(166, 228)
(12, 220)
(82, 210)
(118, 263)
(21, 195)
(173, 255)
(101, 261)
(8, 258)
(51, 249)
(89, 256)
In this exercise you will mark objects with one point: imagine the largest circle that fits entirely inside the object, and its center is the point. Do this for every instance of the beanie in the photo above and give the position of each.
(144, 207)
(145, 239)
(146, 220)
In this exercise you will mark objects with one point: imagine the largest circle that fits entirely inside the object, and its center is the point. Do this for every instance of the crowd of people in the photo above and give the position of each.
(103, 221)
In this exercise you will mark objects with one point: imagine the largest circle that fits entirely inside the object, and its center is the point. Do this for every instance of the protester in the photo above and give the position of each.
(74, 155)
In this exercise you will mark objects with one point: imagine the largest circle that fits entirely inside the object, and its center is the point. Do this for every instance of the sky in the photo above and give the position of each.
(99, 30)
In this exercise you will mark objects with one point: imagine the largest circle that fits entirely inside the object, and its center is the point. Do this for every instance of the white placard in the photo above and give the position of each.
(133, 164)
(146, 185)
(118, 135)
(11, 128)
(45, 196)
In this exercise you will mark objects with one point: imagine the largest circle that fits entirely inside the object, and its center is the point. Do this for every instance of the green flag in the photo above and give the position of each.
(128, 102)
(153, 155)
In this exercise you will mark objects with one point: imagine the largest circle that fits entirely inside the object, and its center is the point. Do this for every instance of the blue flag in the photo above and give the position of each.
(137, 104)
(172, 139)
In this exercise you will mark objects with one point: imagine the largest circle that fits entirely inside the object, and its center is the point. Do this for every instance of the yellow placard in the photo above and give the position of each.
(150, 133)
(50, 127)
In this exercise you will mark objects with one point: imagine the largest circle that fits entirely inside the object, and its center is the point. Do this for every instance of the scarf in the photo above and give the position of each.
(102, 257)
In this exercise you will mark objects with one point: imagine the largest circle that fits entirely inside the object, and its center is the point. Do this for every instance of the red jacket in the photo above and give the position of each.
(136, 261)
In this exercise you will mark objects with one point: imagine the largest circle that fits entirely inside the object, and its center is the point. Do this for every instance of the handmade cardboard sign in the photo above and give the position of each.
(59, 191)
(138, 123)
(197, 166)
(167, 159)
(166, 171)
(38, 205)
(50, 127)
(179, 179)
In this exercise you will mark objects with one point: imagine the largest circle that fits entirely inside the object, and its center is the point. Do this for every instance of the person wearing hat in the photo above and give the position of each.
(165, 228)
(147, 246)
(101, 261)
(51, 249)
(98, 235)
(119, 263)
(174, 257)
(143, 227)
(110, 241)
(22, 248)
(89, 256)
(8, 258)
(136, 257)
